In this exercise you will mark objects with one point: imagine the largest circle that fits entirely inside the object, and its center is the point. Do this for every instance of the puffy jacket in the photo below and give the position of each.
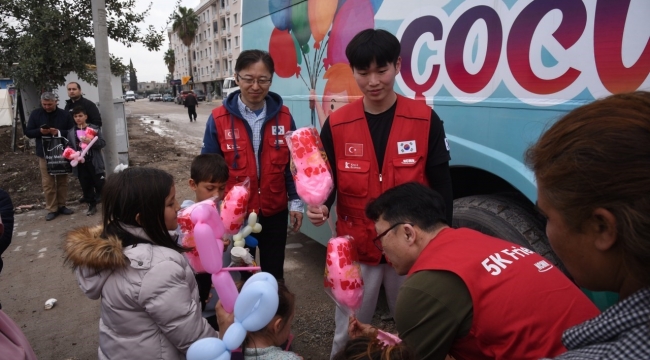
(149, 299)
(95, 150)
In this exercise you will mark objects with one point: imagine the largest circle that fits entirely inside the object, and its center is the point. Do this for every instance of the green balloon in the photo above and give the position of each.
(298, 53)
(300, 21)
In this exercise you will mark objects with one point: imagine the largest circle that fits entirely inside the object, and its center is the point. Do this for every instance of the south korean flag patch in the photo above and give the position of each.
(406, 147)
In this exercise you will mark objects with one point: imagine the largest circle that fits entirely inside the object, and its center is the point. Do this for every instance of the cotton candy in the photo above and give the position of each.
(234, 206)
(342, 279)
(311, 171)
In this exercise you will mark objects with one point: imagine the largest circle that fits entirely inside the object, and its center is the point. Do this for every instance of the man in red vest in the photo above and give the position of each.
(468, 294)
(373, 144)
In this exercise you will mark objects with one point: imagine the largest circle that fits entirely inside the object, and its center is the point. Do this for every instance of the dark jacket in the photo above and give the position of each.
(95, 151)
(58, 119)
(190, 100)
(94, 117)
(7, 216)
(273, 106)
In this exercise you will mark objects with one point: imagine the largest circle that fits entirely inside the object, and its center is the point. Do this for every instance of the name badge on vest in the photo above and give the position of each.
(277, 130)
(352, 149)
(232, 147)
(406, 147)
(229, 132)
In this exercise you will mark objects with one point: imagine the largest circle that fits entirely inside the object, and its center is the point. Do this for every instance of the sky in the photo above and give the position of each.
(149, 65)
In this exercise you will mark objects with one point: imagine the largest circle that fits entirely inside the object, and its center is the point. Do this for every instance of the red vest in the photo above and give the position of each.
(358, 180)
(268, 192)
(521, 303)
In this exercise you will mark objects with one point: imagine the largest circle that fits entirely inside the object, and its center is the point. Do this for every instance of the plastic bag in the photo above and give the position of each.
(53, 148)
(187, 233)
(342, 279)
(234, 207)
(309, 166)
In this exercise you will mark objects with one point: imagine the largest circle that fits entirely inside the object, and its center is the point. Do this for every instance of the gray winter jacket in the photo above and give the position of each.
(149, 299)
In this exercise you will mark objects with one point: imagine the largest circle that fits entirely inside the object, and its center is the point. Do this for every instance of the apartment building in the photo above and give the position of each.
(215, 48)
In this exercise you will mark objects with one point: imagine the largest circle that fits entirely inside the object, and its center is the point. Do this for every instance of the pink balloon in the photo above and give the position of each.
(352, 17)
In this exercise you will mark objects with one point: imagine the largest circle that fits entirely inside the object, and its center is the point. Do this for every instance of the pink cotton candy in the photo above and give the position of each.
(342, 279)
(234, 207)
(310, 167)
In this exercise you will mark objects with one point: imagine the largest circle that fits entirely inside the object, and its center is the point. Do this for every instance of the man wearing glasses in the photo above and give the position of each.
(248, 131)
(468, 294)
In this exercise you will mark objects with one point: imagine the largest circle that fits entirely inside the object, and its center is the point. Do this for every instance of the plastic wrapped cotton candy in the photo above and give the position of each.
(234, 207)
(310, 168)
(88, 133)
(342, 279)
(187, 230)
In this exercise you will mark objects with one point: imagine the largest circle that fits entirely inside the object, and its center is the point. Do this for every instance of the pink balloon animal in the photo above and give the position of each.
(77, 157)
(207, 232)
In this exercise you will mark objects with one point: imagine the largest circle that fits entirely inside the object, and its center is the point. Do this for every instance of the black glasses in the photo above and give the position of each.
(251, 81)
(377, 240)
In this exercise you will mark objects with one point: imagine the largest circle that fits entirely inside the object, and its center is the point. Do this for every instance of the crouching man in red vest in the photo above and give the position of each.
(468, 294)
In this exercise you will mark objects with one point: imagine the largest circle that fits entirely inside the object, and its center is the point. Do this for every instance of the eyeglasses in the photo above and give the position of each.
(251, 81)
(377, 240)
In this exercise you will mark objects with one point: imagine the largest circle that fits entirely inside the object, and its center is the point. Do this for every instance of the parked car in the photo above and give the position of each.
(229, 86)
(200, 95)
(167, 98)
(155, 97)
(129, 96)
(181, 96)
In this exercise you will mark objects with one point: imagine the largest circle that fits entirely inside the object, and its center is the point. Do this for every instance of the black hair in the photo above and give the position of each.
(372, 45)
(209, 168)
(134, 191)
(76, 83)
(409, 203)
(249, 57)
(79, 110)
(369, 348)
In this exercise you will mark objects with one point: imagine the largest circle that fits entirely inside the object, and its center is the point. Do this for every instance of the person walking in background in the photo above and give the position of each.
(593, 186)
(77, 99)
(91, 172)
(248, 131)
(191, 104)
(49, 120)
(375, 143)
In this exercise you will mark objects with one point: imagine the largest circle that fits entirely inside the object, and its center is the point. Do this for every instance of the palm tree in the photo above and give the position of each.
(186, 24)
(170, 61)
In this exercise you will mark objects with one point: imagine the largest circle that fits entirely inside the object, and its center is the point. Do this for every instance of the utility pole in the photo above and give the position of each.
(104, 83)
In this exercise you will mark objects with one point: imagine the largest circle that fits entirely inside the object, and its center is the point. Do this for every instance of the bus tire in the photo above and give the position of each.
(507, 218)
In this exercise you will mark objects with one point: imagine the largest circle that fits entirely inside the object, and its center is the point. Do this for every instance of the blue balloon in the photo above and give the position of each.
(208, 349)
(250, 241)
(280, 11)
(234, 336)
(376, 4)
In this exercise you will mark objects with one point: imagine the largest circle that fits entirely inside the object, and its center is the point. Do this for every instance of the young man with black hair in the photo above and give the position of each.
(468, 294)
(77, 99)
(373, 144)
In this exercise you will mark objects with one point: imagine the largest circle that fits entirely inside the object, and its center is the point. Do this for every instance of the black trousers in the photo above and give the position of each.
(271, 242)
(191, 111)
(91, 182)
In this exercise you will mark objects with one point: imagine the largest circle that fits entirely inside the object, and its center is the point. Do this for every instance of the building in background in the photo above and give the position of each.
(215, 48)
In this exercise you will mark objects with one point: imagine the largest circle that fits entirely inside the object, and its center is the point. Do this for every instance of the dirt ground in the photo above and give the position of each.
(313, 325)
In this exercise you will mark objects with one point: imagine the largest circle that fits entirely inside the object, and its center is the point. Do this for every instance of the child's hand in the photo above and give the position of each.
(224, 319)
(357, 329)
(226, 243)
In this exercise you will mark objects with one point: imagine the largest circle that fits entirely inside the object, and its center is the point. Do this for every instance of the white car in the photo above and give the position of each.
(130, 96)
(229, 86)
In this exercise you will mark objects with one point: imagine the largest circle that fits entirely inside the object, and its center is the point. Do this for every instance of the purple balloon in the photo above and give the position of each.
(352, 17)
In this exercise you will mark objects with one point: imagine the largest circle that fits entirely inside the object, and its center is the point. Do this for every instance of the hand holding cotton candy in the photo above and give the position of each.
(234, 207)
(77, 157)
(254, 309)
(342, 279)
(310, 169)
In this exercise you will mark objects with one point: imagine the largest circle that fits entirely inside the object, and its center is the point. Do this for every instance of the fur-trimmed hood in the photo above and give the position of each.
(84, 247)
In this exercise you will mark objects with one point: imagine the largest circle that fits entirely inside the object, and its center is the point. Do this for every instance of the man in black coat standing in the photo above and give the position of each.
(76, 99)
(191, 103)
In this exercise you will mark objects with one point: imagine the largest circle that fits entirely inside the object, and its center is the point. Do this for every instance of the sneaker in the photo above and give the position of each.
(92, 210)
(51, 216)
(65, 211)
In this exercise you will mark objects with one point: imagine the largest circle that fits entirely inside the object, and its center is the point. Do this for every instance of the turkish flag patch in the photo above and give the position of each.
(352, 149)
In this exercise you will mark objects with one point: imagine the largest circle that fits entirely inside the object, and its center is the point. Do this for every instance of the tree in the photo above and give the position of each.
(186, 24)
(170, 61)
(133, 78)
(42, 41)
